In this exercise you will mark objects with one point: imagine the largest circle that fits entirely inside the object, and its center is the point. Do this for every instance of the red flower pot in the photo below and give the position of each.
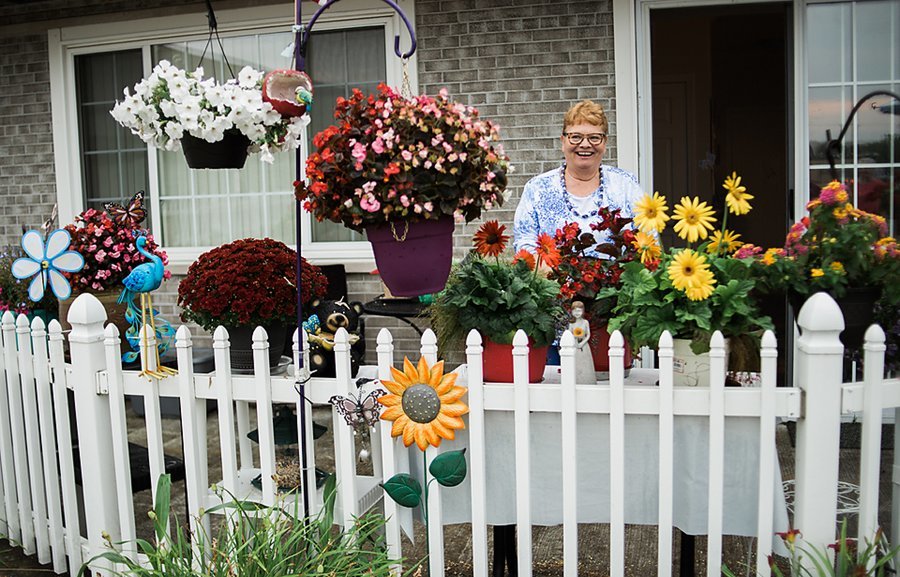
(497, 362)
(413, 258)
(599, 344)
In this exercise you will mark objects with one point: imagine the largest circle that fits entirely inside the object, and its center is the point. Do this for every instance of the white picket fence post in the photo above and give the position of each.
(21, 525)
(819, 373)
(87, 317)
(767, 451)
(344, 444)
(870, 462)
(385, 353)
(616, 454)
(523, 452)
(477, 456)
(569, 450)
(666, 452)
(716, 453)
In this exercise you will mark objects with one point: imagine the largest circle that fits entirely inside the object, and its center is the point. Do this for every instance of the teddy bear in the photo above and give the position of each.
(326, 317)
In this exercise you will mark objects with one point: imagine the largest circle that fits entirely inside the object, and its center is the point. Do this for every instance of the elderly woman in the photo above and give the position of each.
(577, 190)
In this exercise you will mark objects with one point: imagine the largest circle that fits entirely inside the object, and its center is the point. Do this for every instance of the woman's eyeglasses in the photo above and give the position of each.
(576, 138)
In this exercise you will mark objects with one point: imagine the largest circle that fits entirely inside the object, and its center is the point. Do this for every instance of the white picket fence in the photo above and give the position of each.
(40, 513)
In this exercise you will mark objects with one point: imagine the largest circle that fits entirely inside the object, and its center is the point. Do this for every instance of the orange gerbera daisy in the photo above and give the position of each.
(546, 250)
(423, 403)
(526, 256)
(490, 240)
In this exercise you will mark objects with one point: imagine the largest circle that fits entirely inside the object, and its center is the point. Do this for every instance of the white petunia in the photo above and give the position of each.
(248, 77)
(174, 130)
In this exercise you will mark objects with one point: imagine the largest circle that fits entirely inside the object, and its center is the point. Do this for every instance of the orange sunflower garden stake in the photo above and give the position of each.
(425, 406)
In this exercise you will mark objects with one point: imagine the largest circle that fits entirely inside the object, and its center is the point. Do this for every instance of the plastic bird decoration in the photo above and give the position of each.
(142, 280)
(46, 263)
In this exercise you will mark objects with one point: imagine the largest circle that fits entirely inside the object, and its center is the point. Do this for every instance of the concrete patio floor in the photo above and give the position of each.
(640, 541)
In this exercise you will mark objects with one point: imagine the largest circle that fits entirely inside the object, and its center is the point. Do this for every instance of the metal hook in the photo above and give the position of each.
(833, 146)
(308, 28)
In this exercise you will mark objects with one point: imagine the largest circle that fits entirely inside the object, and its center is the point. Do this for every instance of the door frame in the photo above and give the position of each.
(631, 29)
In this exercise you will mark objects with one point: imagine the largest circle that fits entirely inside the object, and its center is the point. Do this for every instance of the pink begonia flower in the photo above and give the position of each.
(444, 93)
(452, 157)
(359, 152)
(428, 164)
(349, 202)
(167, 274)
(437, 140)
(407, 155)
(370, 186)
(96, 286)
(404, 200)
(377, 146)
(490, 176)
(99, 231)
(92, 248)
(126, 257)
(389, 138)
(100, 256)
(463, 156)
(369, 203)
(115, 254)
(417, 208)
(108, 242)
(392, 193)
(119, 247)
(448, 147)
(423, 153)
(429, 207)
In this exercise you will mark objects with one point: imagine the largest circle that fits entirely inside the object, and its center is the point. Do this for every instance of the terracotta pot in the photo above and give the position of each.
(241, 341)
(413, 258)
(230, 152)
(599, 344)
(115, 313)
(497, 362)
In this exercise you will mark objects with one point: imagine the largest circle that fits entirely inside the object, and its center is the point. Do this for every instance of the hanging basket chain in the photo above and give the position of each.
(214, 31)
(405, 90)
(397, 237)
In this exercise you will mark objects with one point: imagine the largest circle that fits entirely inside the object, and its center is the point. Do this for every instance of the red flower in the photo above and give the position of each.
(546, 250)
(490, 240)
(526, 256)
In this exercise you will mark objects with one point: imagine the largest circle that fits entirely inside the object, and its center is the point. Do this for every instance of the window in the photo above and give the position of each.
(192, 210)
(854, 49)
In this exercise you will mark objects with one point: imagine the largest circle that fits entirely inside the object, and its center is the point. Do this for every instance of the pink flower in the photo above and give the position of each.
(359, 152)
(407, 155)
(108, 242)
(369, 203)
(404, 200)
(100, 256)
(370, 186)
(377, 147)
(429, 207)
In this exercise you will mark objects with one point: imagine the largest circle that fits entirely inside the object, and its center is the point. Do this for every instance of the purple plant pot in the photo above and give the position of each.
(413, 259)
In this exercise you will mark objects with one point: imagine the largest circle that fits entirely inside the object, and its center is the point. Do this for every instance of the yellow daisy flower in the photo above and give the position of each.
(647, 246)
(837, 267)
(686, 270)
(694, 218)
(423, 403)
(737, 197)
(705, 287)
(816, 273)
(650, 213)
(726, 242)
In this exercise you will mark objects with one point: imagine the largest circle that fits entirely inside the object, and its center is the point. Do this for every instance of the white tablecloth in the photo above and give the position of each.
(691, 461)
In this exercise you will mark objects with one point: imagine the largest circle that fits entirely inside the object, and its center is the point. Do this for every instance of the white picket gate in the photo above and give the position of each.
(39, 510)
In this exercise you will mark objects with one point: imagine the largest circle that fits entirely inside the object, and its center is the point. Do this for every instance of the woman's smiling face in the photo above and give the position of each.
(584, 156)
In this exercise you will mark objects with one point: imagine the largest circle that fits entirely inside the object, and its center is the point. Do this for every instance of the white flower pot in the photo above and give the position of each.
(690, 369)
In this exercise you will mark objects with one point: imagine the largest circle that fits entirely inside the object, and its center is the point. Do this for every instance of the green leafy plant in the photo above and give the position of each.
(256, 541)
(691, 291)
(498, 296)
(874, 560)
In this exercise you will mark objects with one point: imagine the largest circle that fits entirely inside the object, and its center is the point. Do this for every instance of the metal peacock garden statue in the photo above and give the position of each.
(142, 280)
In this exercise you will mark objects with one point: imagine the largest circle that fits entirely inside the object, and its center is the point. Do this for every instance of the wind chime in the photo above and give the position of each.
(280, 84)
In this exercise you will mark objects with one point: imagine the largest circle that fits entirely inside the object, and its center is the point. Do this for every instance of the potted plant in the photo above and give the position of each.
(253, 540)
(216, 123)
(838, 249)
(690, 291)
(587, 266)
(497, 296)
(403, 169)
(245, 284)
(108, 246)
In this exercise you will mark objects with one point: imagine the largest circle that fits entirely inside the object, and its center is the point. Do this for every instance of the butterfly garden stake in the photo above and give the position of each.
(360, 413)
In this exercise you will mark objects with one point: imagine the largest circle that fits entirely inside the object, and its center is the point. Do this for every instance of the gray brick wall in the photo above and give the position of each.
(27, 185)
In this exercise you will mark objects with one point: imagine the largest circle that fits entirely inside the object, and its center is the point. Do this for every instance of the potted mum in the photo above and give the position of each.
(587, 266)
(839, 249)
(691, 291)
(244, 284)
(108, 246)
(403, 169)
(216, 124)
(497, 296)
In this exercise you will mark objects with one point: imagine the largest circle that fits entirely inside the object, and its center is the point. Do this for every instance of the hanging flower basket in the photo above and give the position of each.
(413, 258)
(230, 152)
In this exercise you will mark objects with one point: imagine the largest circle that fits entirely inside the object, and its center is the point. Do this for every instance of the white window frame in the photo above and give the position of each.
(67, 43)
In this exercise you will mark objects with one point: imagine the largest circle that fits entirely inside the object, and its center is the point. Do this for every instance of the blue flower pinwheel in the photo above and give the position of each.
(44, 263)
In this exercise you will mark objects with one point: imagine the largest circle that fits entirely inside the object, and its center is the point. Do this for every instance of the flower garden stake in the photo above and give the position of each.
(425, 407)
(46, 263)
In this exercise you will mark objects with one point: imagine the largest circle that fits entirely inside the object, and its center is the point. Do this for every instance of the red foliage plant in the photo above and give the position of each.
(249, 282)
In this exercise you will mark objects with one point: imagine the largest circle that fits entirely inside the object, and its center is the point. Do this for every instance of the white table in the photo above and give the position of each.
(691, 461)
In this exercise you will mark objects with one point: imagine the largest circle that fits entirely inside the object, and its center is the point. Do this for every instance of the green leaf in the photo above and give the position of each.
(449, 469)
(163, 494)
(403, 489)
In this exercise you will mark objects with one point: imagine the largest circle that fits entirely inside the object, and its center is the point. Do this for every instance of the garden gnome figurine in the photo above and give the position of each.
(584, 360)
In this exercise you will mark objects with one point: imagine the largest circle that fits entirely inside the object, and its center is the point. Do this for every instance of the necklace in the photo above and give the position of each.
(597, 196)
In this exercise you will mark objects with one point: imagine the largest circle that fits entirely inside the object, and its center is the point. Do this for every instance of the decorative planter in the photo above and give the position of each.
(115, 313)
(691, 369)
(413, 258)
(599, 343)
(241, 341)
(858, 308)
(230, 152)
(497, 362)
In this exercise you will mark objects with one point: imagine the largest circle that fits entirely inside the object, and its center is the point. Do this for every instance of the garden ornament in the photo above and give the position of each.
(46, 263)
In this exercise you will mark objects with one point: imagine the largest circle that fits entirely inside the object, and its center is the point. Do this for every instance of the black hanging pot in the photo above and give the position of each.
(230, 152)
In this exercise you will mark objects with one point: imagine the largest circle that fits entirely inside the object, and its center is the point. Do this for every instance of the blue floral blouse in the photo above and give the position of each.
(546, 206)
